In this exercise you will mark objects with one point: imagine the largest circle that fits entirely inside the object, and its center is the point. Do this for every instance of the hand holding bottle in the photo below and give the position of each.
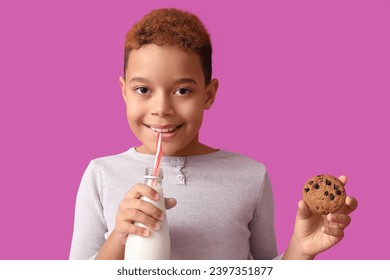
(133, 209)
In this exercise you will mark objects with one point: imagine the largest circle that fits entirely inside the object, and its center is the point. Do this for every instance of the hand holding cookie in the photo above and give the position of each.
(320, 222)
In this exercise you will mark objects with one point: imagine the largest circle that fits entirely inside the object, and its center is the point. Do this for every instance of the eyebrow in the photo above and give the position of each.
(186, 80)
(178, 81)
(139, 79)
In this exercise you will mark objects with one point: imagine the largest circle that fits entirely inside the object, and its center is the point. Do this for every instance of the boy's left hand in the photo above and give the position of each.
(315, 233)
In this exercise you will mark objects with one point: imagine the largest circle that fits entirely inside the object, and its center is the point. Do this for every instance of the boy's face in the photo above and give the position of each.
(164, 91)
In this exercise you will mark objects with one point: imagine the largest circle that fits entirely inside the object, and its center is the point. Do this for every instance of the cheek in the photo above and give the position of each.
(193, 115)
(133, 112)
(134, 117)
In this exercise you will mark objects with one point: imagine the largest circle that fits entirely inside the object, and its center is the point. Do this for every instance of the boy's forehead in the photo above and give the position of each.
(153, 59)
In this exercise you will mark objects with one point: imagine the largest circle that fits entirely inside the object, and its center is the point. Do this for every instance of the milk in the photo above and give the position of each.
(157, 245)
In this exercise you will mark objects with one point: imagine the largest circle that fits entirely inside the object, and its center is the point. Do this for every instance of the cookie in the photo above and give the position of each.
(324, 194)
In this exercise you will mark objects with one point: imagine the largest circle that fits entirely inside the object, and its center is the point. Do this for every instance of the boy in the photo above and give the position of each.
(224, 200)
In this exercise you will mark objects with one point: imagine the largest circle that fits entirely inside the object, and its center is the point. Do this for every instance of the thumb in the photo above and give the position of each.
(170, 203)
(303, 211)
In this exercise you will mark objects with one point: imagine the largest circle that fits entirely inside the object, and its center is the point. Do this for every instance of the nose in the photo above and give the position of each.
(162, 105)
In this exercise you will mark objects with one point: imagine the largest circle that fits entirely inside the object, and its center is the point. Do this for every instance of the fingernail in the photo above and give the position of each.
(145, 232)
(157, 226)
(157, 196)
(162, 216)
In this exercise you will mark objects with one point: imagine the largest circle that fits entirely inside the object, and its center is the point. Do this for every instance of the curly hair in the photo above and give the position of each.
(172, 27)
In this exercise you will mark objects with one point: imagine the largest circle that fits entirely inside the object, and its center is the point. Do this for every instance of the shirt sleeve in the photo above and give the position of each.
(89, 224)
(263, 240)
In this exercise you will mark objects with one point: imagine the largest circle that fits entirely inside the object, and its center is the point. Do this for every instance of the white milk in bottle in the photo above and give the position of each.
(156, 246)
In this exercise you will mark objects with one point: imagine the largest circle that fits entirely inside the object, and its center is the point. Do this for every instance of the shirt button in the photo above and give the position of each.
(179, 178)
(180, 160)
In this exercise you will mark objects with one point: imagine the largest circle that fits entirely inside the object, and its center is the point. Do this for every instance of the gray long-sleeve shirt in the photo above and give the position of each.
(224, 205)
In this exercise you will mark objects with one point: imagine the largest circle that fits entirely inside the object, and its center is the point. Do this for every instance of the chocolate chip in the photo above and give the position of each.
(326, 193)
(310, 183)
(307, 189)
(316, 186)
(331, 196)
(338, 192)
(328, 182)
(336, 187)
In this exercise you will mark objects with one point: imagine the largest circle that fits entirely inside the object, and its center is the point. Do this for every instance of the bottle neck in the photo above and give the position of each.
(151, 179)
(150, 172)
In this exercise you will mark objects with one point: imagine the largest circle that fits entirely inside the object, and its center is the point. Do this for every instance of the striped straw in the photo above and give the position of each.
(158, 157)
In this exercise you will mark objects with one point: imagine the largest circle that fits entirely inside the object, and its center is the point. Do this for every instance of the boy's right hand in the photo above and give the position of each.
(133, 209)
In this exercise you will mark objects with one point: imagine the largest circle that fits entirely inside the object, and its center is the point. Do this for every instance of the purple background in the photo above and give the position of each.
(304, 88)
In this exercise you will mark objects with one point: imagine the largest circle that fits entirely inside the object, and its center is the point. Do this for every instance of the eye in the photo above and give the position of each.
(142, 90)
(182, 91)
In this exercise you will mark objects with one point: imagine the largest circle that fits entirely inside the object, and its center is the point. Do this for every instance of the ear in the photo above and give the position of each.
(122, 84)
(211, 92)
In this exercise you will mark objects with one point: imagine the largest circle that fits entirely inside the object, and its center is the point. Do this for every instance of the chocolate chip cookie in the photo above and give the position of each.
(324, 194)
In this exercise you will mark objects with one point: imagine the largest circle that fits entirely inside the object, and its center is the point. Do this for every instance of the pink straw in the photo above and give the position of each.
(158, 157)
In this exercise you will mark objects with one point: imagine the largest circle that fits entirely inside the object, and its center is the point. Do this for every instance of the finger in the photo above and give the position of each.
(137, 230)
(170, 203)
(145, 207)
(124, 228)
(340, 219)
(303, 212)
(343, 179)
(333, 231)
(122, 231)
(139, 190)
(350, 205)
(137, 216)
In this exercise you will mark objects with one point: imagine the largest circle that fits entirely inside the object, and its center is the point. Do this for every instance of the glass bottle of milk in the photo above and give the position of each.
(156, 246)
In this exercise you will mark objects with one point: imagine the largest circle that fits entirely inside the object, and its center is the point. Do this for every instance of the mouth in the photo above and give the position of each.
(164, 129)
